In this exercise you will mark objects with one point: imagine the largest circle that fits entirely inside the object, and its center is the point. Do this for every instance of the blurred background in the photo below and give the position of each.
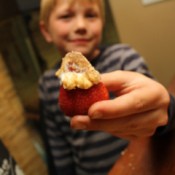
(151, 30)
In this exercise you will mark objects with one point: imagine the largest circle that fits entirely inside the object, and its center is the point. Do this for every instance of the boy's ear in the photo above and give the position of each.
(45, 32)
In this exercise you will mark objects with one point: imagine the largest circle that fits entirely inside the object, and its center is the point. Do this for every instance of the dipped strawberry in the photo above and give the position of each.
(80, 85)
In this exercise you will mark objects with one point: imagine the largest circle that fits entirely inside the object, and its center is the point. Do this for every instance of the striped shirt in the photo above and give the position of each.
(76, 152)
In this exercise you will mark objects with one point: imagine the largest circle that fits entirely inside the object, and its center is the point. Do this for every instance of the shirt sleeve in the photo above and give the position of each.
(171, 119)
(133, 61)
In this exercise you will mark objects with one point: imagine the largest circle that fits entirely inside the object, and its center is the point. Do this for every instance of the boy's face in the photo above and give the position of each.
(75, 28)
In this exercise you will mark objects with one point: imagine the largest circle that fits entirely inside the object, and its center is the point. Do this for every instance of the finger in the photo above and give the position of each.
(140, 125)
(118, 79)
(84, 122)
(111, 81)
(80, 122)
(121, 106)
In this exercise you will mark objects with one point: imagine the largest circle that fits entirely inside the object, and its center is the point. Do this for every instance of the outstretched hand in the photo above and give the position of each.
(139, 108)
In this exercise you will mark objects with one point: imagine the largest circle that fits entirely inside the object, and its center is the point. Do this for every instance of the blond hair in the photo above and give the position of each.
(46, 7)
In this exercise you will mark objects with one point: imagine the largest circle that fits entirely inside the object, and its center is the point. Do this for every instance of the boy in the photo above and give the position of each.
(76, 25)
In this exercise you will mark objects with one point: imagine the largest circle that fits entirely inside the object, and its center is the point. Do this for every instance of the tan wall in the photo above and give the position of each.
(15, 134)
(151, 31)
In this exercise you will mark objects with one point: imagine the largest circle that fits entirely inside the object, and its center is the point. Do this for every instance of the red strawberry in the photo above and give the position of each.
(77, 101)
(81, 86)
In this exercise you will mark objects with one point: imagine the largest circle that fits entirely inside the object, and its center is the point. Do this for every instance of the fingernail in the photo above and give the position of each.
(79, 126)
(96, 115)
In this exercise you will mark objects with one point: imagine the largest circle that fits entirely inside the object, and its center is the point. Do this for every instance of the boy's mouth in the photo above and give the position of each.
(80, 41)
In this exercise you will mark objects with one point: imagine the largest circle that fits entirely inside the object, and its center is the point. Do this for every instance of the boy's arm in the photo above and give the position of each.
(55, 145)
(58, 152)
(49, 158)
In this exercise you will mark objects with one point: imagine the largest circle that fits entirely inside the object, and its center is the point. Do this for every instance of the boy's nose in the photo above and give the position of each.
(80, 22)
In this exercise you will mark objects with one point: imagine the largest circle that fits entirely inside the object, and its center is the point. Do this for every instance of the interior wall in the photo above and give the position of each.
(151, 31)
(19, 138)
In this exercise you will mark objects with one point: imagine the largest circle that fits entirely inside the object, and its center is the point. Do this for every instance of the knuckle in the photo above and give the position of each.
(139, 105)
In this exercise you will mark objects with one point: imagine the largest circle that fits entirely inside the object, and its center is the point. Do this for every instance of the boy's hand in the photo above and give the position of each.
(139, 108)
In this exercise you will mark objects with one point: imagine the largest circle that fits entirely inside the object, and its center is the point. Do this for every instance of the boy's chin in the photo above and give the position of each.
(84, 50)
(88, 52)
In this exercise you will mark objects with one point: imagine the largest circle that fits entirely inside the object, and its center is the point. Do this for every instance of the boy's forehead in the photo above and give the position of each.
(71, 2)
(47, 6)
(68, 4)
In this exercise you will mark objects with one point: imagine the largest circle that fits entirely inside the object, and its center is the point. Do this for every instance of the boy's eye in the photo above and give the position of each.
(65, 16)
(91, 15)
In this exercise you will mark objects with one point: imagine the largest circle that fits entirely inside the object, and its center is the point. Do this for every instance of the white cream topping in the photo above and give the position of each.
(72, 80)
